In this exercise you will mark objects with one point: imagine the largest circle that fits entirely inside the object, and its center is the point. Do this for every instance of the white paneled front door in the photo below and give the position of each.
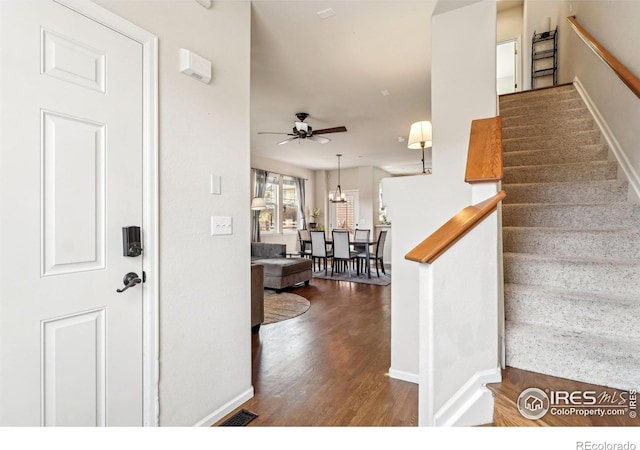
(70, 179)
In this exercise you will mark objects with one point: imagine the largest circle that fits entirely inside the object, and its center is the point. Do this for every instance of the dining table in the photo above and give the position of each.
(367, 243)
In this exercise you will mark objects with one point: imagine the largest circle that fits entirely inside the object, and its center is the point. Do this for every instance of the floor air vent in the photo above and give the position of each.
(240, 419)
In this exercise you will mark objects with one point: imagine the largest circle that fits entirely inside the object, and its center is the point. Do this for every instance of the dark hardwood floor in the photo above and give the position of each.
(328, 367)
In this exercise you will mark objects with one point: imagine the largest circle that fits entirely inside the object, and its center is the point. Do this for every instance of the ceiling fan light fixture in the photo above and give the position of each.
(338, 196)
(302, 130)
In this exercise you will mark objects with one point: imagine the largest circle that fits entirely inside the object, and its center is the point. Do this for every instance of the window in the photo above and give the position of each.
(269, 216)
(290, 203)
(344, 214)
(282, 212)
(382, 209)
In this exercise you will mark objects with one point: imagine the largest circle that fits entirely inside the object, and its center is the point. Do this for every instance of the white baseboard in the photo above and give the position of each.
(612, 142)
(472, 405)
(404, 376)
(225, 409)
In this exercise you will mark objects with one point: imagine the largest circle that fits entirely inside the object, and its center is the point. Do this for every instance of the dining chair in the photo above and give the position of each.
(319, 250)
(378, 255)
(342, 252)
(361, 235)
(305, 246)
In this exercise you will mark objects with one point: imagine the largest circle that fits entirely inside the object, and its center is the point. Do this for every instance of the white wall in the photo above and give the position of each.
(510, 23)
(536, 14)
(205, 341)
(366, 197)
(378, 175)
(463, 89)
(615, 25)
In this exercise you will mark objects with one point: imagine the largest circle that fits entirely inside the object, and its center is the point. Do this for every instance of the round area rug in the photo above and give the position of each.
(283, 306)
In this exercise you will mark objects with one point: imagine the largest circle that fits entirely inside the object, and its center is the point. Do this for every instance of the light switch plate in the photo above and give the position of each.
(216, 185)
(221, 225)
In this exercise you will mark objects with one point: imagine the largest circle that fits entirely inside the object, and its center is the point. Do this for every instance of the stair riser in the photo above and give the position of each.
(563, 312)
(560, 127)
(578, 243)
(540, 96)
(546, 119)
(601, 192)
(567, 358)
(579, 275)
(595, 171)
(586, 153)
(543, 109)
(552, 141)
(570, 216)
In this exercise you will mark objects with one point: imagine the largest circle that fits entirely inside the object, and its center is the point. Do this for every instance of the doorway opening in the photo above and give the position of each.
(508, 70)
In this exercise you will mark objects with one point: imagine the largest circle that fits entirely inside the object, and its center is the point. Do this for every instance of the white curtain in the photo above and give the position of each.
(259, 188)
(300, 183)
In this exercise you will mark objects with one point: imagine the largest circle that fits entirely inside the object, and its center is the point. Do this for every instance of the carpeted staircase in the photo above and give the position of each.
(571, 243)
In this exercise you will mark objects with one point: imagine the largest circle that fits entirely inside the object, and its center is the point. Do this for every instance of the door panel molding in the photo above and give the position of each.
(73, 238)
(77, 341)
(71, 61)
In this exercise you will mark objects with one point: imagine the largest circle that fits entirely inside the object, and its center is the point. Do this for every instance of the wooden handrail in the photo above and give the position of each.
(484, 160)
(627, 77)
(451, 232)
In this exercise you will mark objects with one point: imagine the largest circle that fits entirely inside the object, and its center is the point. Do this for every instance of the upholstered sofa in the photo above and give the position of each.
(280, 272)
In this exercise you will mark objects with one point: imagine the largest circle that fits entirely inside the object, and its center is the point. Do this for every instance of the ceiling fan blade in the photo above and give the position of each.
(322, 140)
(330, 130)
(288, 140)
(273, 132)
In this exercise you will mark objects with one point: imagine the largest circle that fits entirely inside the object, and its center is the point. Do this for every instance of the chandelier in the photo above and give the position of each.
(338, 196)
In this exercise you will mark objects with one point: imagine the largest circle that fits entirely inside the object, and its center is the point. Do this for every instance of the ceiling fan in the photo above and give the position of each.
(302, 130)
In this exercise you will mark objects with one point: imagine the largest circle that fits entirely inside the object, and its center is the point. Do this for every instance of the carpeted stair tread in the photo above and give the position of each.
(588, 215)
(540, 109)
(573, 310)
(581, 356)
(540, 129)
(600, 275)
(549, 141)
(584, 153)
(538, 96)
(576, 192)
(579, 112)
(579, 242)
(575, 171)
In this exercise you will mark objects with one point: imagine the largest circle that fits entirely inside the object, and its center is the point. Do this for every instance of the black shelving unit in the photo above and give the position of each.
(544, 56)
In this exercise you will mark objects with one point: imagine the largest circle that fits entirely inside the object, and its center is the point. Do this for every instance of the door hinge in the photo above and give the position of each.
(144, 276)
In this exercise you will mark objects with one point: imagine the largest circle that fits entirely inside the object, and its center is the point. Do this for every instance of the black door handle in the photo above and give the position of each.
(130, 280)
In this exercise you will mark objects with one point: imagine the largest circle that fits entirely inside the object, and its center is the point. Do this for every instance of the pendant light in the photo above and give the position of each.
(338, 196)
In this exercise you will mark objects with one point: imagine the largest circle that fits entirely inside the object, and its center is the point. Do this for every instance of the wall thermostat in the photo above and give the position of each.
(195, 66)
